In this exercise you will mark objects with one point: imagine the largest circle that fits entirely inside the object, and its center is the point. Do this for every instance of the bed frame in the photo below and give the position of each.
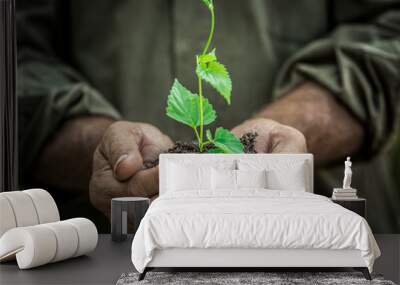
(246, 259)
(260, 259)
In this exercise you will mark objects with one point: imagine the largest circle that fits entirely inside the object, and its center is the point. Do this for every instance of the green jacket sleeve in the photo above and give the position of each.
(359, 63)
(49, 91)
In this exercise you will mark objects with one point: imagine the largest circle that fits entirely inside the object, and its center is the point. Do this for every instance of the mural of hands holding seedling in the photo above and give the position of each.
(207, 76)
(132, 148)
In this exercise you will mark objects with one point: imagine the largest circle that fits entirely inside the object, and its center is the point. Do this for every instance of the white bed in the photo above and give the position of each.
(201, 226)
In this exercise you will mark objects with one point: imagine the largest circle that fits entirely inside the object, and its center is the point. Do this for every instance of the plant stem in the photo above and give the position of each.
(197, 135)
(201, 115)
(210, 36)
(206, 47)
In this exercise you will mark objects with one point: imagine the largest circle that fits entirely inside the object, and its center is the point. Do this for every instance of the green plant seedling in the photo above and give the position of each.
(195, 110)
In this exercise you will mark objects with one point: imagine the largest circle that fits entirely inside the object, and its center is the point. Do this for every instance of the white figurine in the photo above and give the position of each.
(347, 174)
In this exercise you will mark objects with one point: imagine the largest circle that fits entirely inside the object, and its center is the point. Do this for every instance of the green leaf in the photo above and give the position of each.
(216, 74)
(208, 57)
(208, 3)
(215, 150)
(209, 135)
(226, 141)
(183, 106)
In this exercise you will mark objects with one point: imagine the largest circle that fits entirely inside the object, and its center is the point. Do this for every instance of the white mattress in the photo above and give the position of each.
(263, 219)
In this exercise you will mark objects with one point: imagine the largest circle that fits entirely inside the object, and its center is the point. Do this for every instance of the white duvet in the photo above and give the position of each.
(250, 219)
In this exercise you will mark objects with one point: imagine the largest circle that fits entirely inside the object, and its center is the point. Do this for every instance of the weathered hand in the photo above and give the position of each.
(331, 131)
(273, 137)
(119, 163)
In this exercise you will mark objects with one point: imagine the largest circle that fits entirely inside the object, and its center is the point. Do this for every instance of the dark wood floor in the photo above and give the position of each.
(110, 260)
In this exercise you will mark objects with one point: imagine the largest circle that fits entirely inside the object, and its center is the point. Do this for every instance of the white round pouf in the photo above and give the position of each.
(67, 239)
(45, 205)
(33, 246)
(23, 208)
(40, 244)
(31, 230)
(7, 218)
(87, 234)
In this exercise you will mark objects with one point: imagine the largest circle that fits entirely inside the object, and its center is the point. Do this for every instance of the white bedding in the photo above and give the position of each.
(250, 218)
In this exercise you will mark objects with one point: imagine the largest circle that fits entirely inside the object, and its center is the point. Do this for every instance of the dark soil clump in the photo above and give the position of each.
(184, 147)
(150, 164)
(248, 140)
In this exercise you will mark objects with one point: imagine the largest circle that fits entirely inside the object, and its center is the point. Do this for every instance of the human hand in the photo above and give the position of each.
(273, 137)
(332, 132)
(119, 163)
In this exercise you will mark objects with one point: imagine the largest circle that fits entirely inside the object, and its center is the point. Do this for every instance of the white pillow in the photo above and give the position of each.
(223, 179)
(251, 178)
(292, 180)
(281, 175)
(186, 177)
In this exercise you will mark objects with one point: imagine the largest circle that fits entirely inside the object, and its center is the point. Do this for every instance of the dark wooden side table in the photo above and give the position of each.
(358, 206)
(124, 210)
